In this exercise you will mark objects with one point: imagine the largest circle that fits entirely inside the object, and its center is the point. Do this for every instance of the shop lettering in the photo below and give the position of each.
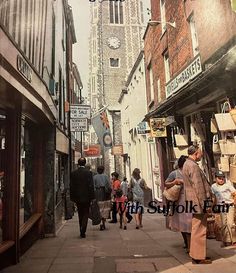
(24, 68)
(189, 73)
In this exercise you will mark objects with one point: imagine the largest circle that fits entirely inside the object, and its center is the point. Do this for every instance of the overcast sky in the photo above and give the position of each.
(81, 16)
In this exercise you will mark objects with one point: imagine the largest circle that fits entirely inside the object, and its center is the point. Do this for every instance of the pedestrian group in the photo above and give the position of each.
(188, 183)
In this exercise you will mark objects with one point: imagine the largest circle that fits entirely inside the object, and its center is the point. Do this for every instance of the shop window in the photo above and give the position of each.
(2, 168)
(26, 171)
(167, 66)
(163, 15)
(193, 35)
(151, 85)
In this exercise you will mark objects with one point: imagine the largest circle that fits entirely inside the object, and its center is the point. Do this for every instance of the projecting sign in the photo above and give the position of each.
(80, 111)
(143, 128)
(184, 77)
(79, 125)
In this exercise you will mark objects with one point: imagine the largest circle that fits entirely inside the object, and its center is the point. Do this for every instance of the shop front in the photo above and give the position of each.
(27, 140)
(192, 108)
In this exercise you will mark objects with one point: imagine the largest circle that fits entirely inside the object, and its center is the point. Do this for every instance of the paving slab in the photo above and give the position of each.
(150, 249)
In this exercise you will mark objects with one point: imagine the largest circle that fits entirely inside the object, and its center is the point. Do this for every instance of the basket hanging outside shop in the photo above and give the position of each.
(216, 145)
(224, 164)
(178, 151)
(227, 146)
(224, 120)
(232, 169)
(213, 126)
(181, 139)
(233, 114)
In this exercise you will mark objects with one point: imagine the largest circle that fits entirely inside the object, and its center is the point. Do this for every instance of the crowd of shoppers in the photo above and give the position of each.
(115, 196)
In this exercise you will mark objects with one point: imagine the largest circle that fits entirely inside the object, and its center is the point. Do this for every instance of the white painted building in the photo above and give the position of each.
(138, 152)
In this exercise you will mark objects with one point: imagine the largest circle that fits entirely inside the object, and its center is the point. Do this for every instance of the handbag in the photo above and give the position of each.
(224, 164)
(172, 194)
(130, 195)
(224, 120)
(233, 114)
(227, 146)
(232, 170)
(213, 126)
(94, 213)
(178, 151)
(181, 139)
(216, 145)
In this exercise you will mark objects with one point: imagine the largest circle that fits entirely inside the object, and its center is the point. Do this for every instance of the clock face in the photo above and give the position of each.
(113, 42)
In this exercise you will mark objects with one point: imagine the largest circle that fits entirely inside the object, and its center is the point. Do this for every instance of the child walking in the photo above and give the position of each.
(121, 203)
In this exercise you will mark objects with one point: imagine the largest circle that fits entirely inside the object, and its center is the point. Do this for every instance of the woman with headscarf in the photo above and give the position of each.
(137, 185)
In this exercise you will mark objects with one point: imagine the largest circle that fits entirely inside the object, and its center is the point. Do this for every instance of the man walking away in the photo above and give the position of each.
(82, 192)
(198, 191)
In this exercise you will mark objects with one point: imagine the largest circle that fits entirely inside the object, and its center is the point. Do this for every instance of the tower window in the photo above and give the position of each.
(116, 12)
(114, 62)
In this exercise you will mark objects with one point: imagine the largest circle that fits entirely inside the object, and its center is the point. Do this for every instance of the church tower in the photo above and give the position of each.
(117, 29)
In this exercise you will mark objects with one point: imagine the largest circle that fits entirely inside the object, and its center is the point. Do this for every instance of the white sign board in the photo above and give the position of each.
(184, 77)
(79, 125)
(80, 111)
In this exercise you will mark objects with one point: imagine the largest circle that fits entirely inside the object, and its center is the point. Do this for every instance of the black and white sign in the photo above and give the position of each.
(79, 125)
(80, 111)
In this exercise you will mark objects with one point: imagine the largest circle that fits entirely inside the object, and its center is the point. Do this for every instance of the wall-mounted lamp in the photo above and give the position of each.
(155, 23)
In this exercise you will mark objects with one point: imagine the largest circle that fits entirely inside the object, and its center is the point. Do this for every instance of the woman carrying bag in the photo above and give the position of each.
(180, 222)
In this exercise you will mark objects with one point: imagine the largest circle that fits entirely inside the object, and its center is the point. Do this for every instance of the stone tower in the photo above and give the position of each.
(117, 29)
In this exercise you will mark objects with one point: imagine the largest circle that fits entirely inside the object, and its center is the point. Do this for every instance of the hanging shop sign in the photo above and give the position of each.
(184, 77)
(117, 150)
(92, 151)
(143, 128)
(158, 127)
(80, 111)
(79, 125)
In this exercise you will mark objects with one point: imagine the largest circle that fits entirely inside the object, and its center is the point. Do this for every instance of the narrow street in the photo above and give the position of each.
(150, 249)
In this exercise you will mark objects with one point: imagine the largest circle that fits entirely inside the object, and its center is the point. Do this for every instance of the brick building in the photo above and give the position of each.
(190, 66)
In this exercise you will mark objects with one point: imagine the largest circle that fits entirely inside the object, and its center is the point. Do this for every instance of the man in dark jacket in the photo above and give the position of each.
(82, 192)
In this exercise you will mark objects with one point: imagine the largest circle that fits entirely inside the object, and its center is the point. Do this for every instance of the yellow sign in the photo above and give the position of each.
(158, 127)
(233, 4)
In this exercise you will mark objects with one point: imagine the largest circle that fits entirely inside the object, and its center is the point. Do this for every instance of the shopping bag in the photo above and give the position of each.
(94, 213)
(233, 114)
(232, 170)
(227, 146)
(178, 151)
(224, 120)
(216, 145)
(224, 164)
(213, 126)
(172, 194)
(181, 139)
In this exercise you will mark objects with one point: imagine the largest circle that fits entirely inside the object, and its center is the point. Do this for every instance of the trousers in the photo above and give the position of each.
(83, 214)
(198, 237)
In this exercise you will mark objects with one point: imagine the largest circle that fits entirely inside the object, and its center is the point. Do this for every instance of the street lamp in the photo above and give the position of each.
(156, 23)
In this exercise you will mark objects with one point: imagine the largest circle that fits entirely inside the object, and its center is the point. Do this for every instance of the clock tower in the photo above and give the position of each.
(117, 28)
